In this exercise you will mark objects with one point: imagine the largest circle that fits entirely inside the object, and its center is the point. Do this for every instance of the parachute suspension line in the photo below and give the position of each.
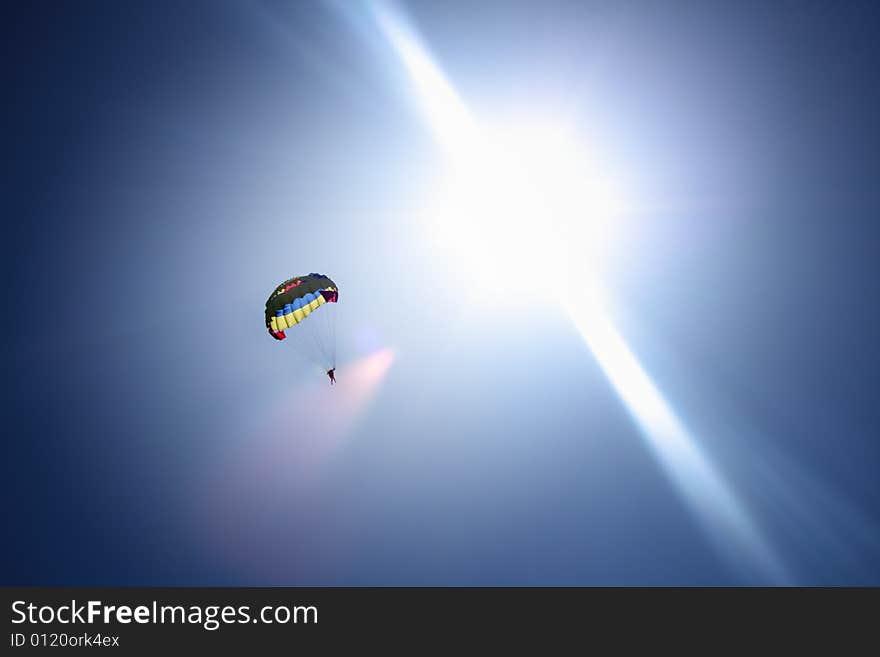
(315, 331)
(328, 325)
(320, 340)
(333, 337)
(313, 344)
(328, 334)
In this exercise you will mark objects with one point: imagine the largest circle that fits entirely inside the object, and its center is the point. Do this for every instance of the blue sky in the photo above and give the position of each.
(608, 307)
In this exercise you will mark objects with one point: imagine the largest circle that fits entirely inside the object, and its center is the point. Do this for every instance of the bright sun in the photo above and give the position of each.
(519, 201)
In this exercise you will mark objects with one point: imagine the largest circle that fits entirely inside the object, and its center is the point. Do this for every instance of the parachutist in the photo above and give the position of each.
(297, 301)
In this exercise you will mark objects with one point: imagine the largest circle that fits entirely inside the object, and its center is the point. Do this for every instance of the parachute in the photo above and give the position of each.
(299, 304)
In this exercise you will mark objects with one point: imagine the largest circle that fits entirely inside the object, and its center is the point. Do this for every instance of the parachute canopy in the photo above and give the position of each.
(295, 299)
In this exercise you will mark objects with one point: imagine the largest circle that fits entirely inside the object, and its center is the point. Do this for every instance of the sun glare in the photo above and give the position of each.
(519, 195)
(522, 210)
(519, 206)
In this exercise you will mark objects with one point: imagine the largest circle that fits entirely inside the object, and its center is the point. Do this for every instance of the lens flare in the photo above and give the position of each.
(528, 200)
(262, 491)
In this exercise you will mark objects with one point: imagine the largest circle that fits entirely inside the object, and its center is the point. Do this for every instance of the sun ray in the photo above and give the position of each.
(497, 197)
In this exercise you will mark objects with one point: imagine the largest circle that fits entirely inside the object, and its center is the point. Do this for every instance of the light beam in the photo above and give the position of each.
(507, 206)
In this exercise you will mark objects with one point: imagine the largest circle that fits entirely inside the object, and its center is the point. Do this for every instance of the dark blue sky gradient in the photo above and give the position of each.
(169, 163)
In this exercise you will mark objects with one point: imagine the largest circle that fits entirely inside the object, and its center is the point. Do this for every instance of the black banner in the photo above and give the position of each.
(134, 620)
